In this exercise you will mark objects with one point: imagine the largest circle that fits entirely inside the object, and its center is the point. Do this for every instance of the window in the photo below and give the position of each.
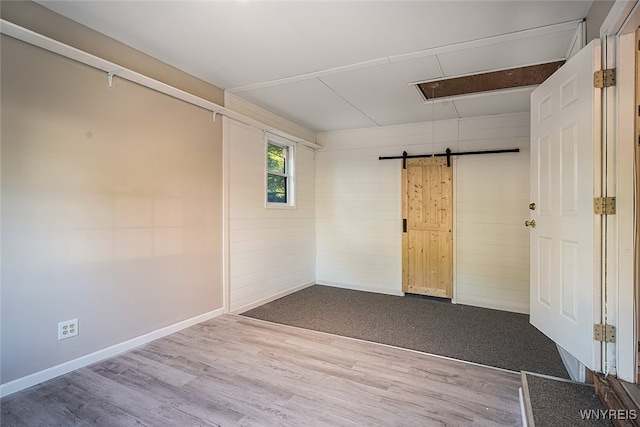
(279, 173)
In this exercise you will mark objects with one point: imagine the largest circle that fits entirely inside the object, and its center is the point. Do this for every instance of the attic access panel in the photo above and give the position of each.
(495, 80)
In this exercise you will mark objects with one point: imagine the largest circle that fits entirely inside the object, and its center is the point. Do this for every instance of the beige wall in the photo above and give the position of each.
(111, 209)
(36, 18)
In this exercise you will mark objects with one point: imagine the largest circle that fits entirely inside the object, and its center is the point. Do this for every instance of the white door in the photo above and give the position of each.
(565, 175)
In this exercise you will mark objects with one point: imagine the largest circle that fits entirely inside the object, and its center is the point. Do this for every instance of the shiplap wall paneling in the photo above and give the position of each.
(271, 250)
(492, 204)
(492, 241)
(358, 208)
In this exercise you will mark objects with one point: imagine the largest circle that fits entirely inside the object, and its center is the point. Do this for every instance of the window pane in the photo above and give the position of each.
(276, 189)
(276, 158)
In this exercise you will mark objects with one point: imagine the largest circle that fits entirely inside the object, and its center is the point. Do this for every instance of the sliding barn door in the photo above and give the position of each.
(427, 242)
(565, 254)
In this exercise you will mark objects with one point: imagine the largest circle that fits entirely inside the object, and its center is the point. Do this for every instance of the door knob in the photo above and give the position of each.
(532, 206)
(531, 223)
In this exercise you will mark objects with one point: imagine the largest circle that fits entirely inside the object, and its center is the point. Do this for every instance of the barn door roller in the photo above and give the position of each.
(448, 153)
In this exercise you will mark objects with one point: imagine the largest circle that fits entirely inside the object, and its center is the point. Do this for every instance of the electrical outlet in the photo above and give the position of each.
(67, 329)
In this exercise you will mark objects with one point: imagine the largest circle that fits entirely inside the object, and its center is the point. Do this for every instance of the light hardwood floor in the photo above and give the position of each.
(238, 371)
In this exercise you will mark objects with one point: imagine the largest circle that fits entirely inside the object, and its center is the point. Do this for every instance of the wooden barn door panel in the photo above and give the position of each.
(427, 243)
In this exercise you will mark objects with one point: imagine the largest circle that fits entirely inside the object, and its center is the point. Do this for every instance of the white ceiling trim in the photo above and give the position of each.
(483, 72)
(579, 38)
(518, 35)
(479, 94)
(113, 69)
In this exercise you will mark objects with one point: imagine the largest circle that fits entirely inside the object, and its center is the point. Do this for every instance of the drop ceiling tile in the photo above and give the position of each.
(310, 103)
(428, 112)
(384, 92)
(491, 103)
(516, 53)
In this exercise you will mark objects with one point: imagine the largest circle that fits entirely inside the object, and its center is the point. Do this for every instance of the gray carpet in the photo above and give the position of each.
(558, 403)
(489, 337)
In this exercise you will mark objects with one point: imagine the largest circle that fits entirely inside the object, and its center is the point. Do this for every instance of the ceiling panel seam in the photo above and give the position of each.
(456, 47)
(488, 41)
(312, 75)
(345, 100)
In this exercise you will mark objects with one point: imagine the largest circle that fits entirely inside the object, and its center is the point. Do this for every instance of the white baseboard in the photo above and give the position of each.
(270, 298)
(80, 362)
(387, 291)
(495, 305)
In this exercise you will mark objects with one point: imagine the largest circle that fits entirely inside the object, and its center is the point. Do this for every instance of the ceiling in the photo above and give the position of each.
(333, 65)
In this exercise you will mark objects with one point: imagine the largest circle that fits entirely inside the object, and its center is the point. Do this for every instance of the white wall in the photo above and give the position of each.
(358, 208)
(271, 250)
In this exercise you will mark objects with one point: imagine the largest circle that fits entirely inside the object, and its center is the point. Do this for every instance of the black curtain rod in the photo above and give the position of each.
(448, 153)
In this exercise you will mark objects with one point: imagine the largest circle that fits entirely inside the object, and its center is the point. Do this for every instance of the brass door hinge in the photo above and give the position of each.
(604, 333)
(604, 205)
(604, 78)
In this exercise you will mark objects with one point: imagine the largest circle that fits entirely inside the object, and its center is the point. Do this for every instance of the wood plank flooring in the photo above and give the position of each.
(237, 371)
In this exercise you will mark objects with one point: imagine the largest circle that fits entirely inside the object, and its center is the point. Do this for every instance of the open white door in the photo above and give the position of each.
(565, 175)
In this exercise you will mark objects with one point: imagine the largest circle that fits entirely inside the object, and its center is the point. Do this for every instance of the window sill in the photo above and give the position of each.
(279, 206)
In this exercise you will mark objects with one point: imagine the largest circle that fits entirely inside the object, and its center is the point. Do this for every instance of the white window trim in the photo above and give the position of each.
(291, 167)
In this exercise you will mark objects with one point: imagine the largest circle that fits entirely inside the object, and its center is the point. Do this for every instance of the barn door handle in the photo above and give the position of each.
(531, 223)
(404, 225)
